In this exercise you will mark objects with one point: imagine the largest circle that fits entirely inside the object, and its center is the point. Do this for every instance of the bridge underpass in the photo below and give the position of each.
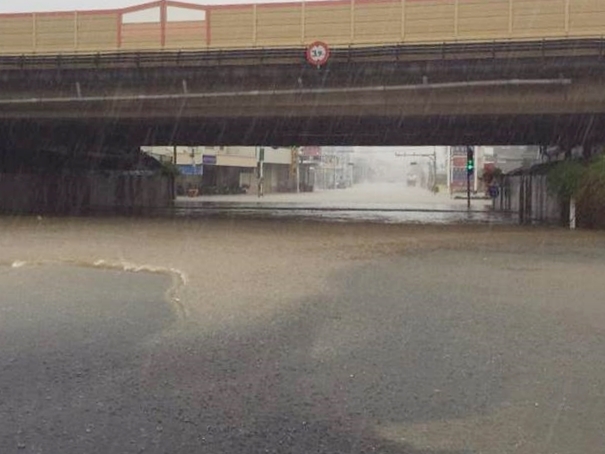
(234, 336)
(546, 93)
(116, 134)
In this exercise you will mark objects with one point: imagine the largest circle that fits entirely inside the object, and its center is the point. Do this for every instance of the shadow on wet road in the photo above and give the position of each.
(91, 377)
(90, 364)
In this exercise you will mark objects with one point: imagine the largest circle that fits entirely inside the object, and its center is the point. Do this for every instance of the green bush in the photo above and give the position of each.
(565, 178)
(593, 180)
(584, 181)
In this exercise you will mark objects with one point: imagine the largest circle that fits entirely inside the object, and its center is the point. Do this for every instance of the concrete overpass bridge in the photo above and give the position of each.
(535, 92)
(401, 72)
(442, 72)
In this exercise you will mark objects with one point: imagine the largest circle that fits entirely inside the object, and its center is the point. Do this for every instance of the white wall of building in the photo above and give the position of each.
(226, 155)
(278, 156)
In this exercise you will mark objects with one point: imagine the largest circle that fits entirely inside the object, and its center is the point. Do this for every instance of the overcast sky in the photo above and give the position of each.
(18, 6)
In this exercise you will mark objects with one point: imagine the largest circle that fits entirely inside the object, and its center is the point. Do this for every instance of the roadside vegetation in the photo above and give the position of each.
(583, 181)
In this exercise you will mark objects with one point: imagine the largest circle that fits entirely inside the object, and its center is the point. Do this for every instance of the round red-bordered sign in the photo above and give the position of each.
(318, 53)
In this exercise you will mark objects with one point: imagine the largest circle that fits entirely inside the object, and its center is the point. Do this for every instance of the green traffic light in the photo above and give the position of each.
(470, 159)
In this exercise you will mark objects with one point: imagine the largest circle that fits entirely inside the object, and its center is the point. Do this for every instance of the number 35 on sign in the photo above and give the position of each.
(318, 53)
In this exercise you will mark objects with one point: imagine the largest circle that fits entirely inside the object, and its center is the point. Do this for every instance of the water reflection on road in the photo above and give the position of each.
(383, 203)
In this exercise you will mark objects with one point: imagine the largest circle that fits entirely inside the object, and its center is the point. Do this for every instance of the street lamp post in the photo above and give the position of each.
(192, 155)
(260, 152)
(335, 165)
(434, 159)
(448, 169)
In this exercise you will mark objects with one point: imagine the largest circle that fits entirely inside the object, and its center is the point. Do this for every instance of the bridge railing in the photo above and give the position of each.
(174, 25)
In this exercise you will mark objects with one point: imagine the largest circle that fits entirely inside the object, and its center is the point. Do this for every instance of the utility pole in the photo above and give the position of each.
(433, 189)
(261, 172)
(475, 173)
(448, 169)
(173, 177)
(468, 189)
(298, 171)
(335, 164)
(192, 156)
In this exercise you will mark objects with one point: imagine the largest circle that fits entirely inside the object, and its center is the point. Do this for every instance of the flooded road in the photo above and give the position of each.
(73, 339)
(232, 335)
(376, 202)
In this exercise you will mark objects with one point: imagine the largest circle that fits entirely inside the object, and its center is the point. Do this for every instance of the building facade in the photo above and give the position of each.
(227, 169)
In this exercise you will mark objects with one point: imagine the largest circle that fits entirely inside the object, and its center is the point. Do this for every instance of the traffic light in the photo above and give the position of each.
(470, 159)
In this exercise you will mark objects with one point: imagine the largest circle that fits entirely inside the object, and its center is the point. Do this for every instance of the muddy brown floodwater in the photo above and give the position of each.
(242, 336)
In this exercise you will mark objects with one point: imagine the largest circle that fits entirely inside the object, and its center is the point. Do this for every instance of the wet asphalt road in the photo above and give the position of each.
(72, 346)
(390, 203)
(435, 352)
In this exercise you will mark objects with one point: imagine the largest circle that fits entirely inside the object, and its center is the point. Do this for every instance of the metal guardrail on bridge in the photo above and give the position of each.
(386, 53)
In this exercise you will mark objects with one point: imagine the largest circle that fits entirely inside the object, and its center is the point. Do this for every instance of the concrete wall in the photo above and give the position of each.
(338, 22)
(79, 193)
(529, 197)
(544, 205)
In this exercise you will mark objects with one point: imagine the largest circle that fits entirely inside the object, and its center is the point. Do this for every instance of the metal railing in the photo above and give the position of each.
(594, 46)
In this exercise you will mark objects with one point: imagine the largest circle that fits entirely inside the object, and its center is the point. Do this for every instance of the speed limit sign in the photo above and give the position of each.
(318, 53)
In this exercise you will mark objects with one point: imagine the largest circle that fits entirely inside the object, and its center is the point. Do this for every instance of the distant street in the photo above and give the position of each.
(234, 336)
(378, 202)
(393, 195)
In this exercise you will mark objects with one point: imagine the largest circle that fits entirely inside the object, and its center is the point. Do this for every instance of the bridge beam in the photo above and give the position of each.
(494, 93)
